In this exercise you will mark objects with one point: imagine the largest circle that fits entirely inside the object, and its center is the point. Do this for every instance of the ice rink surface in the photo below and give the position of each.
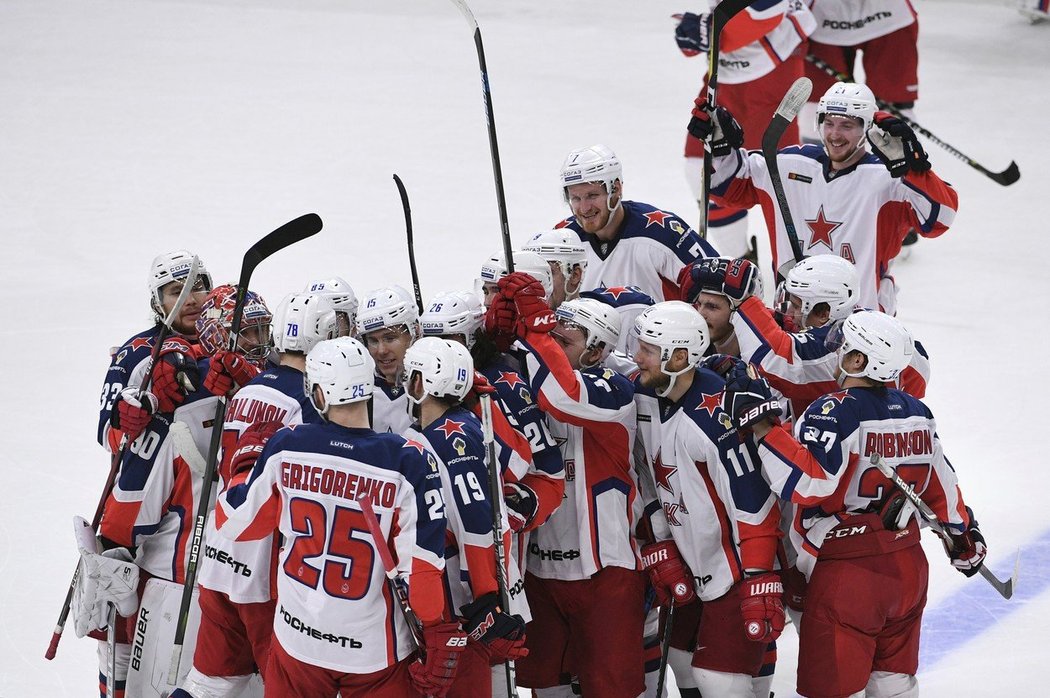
(128, 128)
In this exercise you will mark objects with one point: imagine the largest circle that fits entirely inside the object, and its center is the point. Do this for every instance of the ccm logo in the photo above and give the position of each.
(544, 320)
(846, 532)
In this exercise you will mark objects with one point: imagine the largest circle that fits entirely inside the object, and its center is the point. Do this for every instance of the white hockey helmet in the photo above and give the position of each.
(885, 342)
(301, 321)
(825, 278)
(600, 323)
(446, 367)
(173, 266)
(596, 163)
(847, 99)
(562, 247)
(391, 306)
(673, 325)
(531, 263)
(339, 294)
(452, 313)
(343, 369)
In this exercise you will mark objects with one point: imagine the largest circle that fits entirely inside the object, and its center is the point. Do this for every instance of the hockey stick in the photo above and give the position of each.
(725, 11)
(186, 447)
(393, 578)
(496, 494)
(497, 171)
(789, 107)
(411, 246)
(288, 234)
(1005, 589)
(665, 648)
(114, 465)
(1007, 177)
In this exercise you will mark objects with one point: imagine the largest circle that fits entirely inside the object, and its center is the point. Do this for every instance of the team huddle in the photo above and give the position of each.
(600, 456)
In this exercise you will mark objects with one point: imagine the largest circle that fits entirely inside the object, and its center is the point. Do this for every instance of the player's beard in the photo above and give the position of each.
(654, 380)
(593, 223)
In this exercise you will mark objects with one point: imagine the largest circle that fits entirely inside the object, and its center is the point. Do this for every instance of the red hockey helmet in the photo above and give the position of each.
(216, 320)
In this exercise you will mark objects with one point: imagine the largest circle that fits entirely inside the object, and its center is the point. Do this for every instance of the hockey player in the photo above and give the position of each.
(495, 268)
(341, 297)
(628, 243)
(236, 579)
(336, 629)
(856, 537)
(387, 324)
(122, 410)
(583, 561)
(846, 201)
(532, 494)
(567, 257)
(158, 487)
(439, 374)
(760, 56)
(721, 518)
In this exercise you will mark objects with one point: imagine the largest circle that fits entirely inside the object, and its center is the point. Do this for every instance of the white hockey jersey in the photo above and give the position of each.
(760, 38)
(852, 22)
(390, 408)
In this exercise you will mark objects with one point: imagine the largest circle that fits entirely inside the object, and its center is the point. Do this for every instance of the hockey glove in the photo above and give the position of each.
(503, 634)
(721, 364)
(443, 643)
(895, 144)
(668, 573)
(762, 606)
(107, 578)
(530, 303)
(176, 374)
(968, 548)
(521, 505)
(721, 129)
(736, 279)
(693, 33)
(501, 317)
(748, 399)
(228, 371)
(249, 446)
(133, 411)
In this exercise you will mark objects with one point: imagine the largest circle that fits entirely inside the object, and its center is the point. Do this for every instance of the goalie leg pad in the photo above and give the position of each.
(153, 639)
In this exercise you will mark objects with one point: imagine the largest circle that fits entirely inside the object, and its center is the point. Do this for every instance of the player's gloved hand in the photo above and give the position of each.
(736, 279)
(530, 303)
(249, 446)
(693, 33)
(105, 578)
(228, 371)
(521, 505)
(895, 144)
(720, 128)
(503, 634)
(668, 573)
(968, 548)
(748, 399)
(762, 606)
(132, 411)
(176, 374)
(721, 364)
(443, 643)
(501, 317)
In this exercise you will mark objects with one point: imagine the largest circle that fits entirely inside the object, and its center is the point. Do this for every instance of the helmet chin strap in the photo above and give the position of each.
(674, 377)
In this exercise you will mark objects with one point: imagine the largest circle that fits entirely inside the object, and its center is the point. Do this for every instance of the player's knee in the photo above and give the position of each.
(720, 683)
(198, 685)
(888, 684)
(681, 663)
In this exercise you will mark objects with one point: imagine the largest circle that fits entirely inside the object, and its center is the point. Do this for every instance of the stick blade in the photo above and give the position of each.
(1007, 177)
(465, 9)
(795, 98)
(288, 234)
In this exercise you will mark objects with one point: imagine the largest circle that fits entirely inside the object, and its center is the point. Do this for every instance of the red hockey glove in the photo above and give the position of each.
(668, 573)
(133, 411)
(762, 606)
(521, 505)
(176, 374)
(736, 279)
(228, 371)
(442, 645)
(503, 634)
(720, 128)
(533, 311)
(250, 445)
(968, 548)
(500, 320)
(481, 385)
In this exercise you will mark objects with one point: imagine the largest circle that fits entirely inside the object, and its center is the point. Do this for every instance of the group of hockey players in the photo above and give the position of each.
(556, 467)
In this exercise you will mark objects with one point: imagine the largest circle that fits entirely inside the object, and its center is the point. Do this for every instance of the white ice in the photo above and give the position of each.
(130, 127)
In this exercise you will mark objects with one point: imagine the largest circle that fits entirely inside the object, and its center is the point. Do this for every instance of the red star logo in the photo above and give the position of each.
(840, 395)
(663, 473)
(451, 427)
(656, 217)
(140, 342)
(615, 291)
(710, 403)
(822, 229)
(510, 378)
(409, 443)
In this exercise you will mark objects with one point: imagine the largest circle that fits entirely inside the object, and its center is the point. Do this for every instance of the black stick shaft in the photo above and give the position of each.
(407, 208)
